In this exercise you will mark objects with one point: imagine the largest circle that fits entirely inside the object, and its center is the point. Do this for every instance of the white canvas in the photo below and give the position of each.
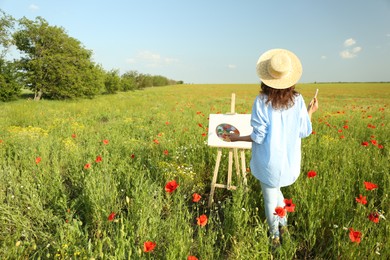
(241, 122)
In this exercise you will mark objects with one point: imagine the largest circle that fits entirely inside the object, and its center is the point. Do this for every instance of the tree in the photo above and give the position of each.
(160, 81)
(9, 87)
(112, 82)
(144, 81)
(129, 80)
(6, 25)
(54, 64)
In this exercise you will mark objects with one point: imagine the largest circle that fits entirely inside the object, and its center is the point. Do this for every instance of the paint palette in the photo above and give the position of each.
(224, 130)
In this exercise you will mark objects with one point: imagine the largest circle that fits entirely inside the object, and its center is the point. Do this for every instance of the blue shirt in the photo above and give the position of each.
(276, 136)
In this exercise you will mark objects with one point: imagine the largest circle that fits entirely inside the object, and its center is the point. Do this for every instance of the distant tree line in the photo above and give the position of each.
(56, 66)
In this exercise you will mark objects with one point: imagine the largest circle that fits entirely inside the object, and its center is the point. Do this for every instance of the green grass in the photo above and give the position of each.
(59, 209)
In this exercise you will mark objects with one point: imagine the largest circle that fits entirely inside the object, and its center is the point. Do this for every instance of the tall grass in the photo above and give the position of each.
(66, 166)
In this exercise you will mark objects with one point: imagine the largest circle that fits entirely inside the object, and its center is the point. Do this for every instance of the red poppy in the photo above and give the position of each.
(279, 211)
(373, 142)
(361, 199)
(289, 206)
(202, 220)
(339, 130)
(342, 136)
(105, 141)
(111, 217)
(311, 174)
(132, 156)
(198, 112)
(200, 125)
(38, 160)
(1, 141)
(74, 136)
(365, 144)
(355, 235)
(380, 146)
(370, 185)
(167, 123)
(204, 134)
(313, 132)
(149, 246)
(166, 152)
(374, 217)
(156, 141)
(346, 127)
(98, 159)
(87, 166)
(171, 186)
(191, 257)
(196, 197)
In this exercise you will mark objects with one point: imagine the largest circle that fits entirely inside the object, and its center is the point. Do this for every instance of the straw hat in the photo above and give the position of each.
(279, 68)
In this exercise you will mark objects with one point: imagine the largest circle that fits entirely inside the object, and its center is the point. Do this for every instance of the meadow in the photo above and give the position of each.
(96, 179)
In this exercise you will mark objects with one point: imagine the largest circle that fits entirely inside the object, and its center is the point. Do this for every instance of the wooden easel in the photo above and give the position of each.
(233, 153)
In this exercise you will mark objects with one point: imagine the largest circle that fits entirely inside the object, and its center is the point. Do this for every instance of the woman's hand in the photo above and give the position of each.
(233, 137)
(313, 106)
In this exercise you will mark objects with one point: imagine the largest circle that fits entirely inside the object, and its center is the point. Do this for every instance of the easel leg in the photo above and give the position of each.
(236, 163)
(214, 181)
(243, 167)
(230, 168)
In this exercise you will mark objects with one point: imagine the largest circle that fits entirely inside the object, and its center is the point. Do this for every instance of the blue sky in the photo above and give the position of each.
(219, 41)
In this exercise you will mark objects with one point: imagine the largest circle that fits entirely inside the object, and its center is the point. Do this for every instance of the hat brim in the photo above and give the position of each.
(279, 83)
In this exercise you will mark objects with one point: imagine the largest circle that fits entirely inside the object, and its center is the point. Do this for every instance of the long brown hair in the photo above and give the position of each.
(279, 98)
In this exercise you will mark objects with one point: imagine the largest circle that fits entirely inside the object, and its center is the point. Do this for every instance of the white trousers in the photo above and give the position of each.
(273, 198)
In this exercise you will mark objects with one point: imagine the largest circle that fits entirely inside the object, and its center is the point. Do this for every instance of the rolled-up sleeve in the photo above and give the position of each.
(259, 121)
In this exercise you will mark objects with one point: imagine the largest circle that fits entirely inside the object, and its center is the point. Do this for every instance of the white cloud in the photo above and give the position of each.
(130, 60)
(33, 8)
(350, 52)
(170, 60)
(346, 54)
(150, 59)
(357, 49)
(149, 56)
(349, 42)
(232, 66)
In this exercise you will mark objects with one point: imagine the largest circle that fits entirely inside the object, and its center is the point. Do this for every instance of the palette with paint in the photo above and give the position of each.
(224, 130)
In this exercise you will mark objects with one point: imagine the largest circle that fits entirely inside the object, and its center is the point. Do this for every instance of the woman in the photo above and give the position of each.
(279, 120)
